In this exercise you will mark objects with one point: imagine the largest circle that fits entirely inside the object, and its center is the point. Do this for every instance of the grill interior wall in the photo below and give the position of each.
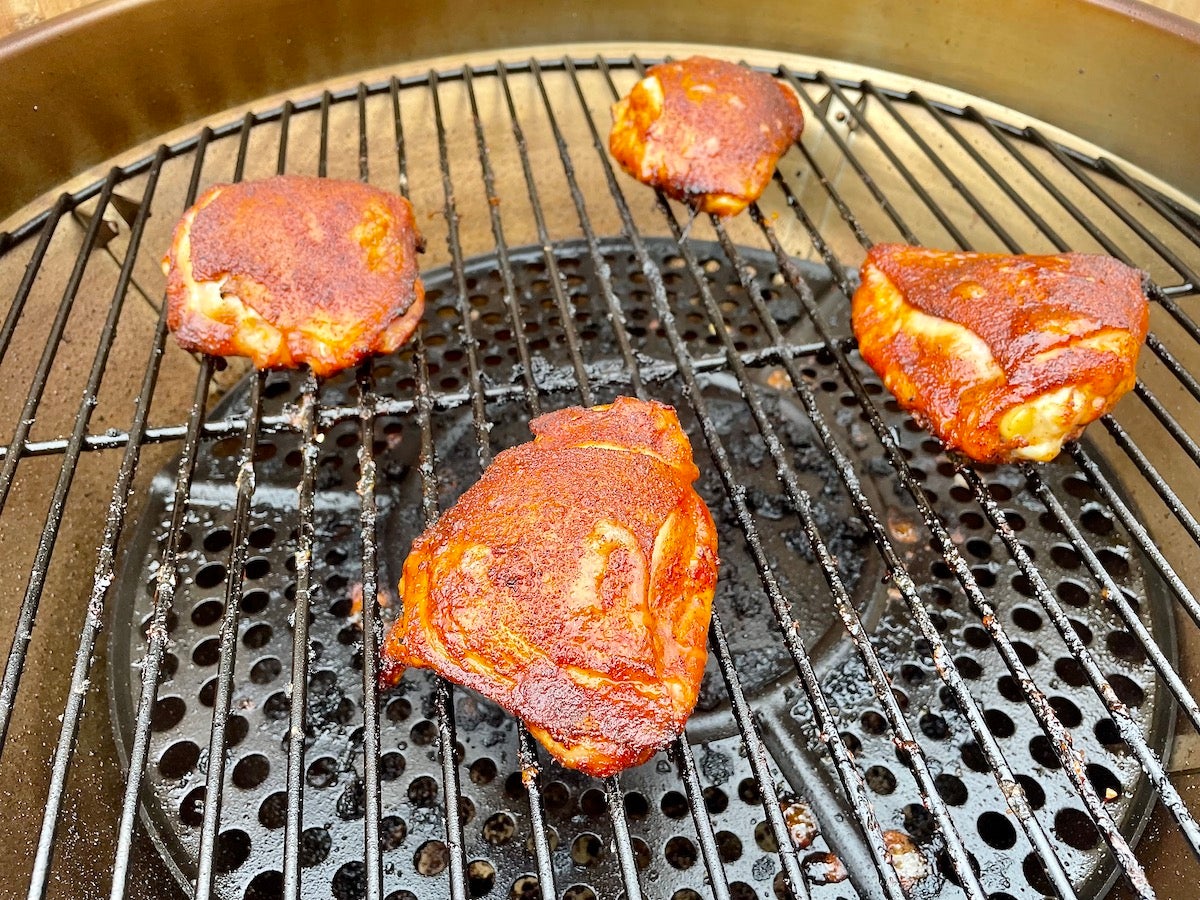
(87, 831)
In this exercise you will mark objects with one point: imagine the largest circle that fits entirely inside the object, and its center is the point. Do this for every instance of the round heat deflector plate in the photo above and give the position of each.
(492, 805)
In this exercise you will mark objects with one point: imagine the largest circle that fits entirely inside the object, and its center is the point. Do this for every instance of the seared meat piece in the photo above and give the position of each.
(1002, 357)
(293, 270)
(705, 131)
(572, 585)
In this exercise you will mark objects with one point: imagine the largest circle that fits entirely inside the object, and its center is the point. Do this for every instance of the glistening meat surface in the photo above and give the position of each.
(292, 270)
(705, 131)
(572, 585)
(1003, 357)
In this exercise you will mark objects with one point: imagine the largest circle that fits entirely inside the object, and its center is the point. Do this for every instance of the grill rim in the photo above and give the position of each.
(200, 433)
(1124, 41)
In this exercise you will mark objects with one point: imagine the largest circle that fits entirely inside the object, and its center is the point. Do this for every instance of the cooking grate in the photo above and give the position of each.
(1003, 622)
(246, 848)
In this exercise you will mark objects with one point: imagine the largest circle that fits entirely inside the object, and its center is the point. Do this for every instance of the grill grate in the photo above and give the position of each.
(952, 685)
(487, 739)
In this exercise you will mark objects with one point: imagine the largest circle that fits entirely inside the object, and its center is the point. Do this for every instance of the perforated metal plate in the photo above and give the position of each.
(493, 806)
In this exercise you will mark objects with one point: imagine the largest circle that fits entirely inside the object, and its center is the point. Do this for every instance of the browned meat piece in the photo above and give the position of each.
(705, 131)
(293, 270)
(1002, 357)
(572, 585)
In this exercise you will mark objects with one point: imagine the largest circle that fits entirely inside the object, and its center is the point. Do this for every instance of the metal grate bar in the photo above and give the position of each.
(903, 581)
(851, 777)
(38, 385)
(1132, 525)
(305, 501)
(294, 817)
(28, 611)
(1130, 731)
(1182, 696)
(960, 188)
(511, 303)
(1115, 598)
(913, 182)
(760, 760)
(612, 305)
(31, 271)
(1060, 738)
(653, 372)
(1153, 199)
(554, 276)
(23, 632)
(1168, 359)
(1003, 183)
(238, 554)
(1151, 239)
(468, 335)
(756, 750)
(801, 502)
(1173, 501)
(323, 147)
(1161, 294)
(239, 164)
(445, 708)
(1185, 442)
(718, 878)
(77, 694)
(372, 624)
(615, 799)
(166, 581)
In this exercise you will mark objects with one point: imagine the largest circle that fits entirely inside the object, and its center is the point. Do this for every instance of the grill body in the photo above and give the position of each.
(559, 281)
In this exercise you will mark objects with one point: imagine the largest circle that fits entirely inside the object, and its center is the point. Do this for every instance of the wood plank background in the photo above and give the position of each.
(18, 14)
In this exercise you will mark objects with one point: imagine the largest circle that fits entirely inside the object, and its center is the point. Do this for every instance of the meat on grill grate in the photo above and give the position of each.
(973, 664)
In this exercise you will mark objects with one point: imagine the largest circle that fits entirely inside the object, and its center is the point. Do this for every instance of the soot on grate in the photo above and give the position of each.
(492, 804)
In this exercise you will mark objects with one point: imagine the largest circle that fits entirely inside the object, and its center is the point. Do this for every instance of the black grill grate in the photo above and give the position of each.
(333, 763)
(1009, 682)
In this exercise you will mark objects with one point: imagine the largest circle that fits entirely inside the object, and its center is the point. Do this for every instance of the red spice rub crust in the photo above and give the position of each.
(705, 131)
(292, 270)
(1003, 357)
(572, 585)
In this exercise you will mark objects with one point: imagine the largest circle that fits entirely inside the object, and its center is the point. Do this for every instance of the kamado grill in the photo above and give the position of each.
(926, 678)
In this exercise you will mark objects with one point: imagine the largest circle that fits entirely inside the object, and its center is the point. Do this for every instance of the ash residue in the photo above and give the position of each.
(352, 803)
(324, 699)
(716, 766)
(743, 599)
